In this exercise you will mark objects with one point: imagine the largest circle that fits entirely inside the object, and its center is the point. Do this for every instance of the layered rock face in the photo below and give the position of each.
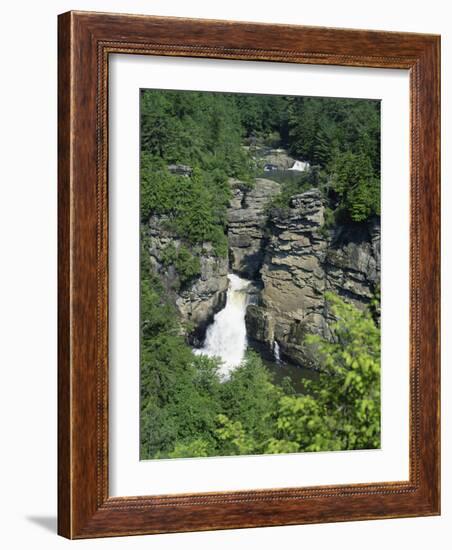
(198, 301)
(247, 221)
(291, 259)
(301, 262)
(353, 262)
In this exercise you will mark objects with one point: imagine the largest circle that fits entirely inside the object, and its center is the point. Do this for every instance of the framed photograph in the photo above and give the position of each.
(248, 275)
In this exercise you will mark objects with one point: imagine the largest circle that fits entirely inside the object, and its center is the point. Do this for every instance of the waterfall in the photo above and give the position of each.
(276, 352)
(300, 166)
(226, 336)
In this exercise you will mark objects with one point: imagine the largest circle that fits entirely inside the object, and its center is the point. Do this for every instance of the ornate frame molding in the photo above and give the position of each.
(85, 42)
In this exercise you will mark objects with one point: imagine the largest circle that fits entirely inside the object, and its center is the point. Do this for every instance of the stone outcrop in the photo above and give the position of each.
(291, 258)
(201, 298)
(247, 221)
(353, 261)
(301, 262)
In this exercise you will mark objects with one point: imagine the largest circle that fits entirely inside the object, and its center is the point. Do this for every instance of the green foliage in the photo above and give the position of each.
(186, 263)
(203, 131)
(342, 136)
(193, 128)
(264, 117)
(156, 187)
(341, 140)
(298, 183)
(194, 448)
(178, 390)
(375, 303)
(195, 207)
(250, 397)
(329, 219)
(342, 410)
(356, 186)
(206, 131)
(187, 410)
(233, 438)
(322, 129)
(179, 395)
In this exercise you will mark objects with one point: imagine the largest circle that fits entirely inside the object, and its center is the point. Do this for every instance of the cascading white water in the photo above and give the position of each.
(226, 336)
(299, 166)
(276, 352)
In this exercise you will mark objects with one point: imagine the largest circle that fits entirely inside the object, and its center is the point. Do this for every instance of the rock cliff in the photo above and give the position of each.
(291, 258)
(247, 223)
(302, 260)
(198, 300)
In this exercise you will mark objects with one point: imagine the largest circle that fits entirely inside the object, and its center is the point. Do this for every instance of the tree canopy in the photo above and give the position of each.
(207, 131)
(186, 408)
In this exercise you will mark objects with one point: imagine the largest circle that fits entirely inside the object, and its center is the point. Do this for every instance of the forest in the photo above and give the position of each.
(187, 408)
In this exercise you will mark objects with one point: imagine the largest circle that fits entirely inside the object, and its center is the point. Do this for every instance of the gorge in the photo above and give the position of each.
(269, 291)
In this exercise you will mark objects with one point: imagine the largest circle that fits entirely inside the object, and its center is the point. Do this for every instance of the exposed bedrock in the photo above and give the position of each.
(290, 256)
(199, 300)
(301, 262)
(247, 222)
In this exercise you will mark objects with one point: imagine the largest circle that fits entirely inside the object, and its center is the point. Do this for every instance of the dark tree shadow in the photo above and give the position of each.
(49, 523)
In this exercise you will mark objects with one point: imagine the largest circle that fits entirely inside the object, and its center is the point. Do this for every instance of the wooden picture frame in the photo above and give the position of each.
(86, 40)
